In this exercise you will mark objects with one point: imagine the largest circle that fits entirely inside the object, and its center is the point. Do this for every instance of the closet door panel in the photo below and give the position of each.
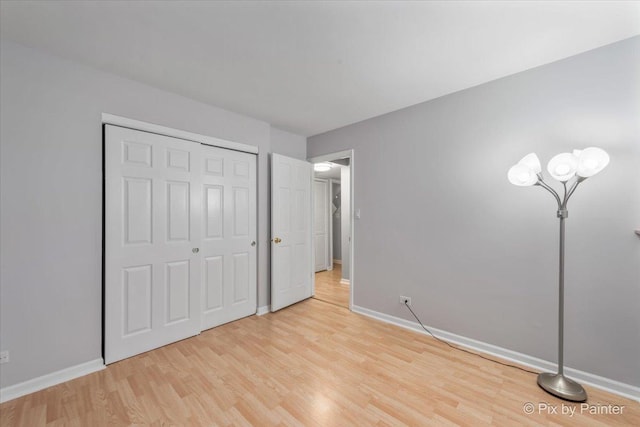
(152, 267)
(229, 236)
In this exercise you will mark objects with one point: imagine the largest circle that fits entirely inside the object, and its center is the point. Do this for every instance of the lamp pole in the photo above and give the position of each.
(557, 384)
(577, 167)
(562, 215)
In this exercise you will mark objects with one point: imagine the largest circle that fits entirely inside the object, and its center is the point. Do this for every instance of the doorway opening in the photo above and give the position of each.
(333, 228)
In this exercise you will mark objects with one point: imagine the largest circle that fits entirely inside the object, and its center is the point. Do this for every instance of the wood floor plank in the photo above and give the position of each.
(311, 364)
(329, 289)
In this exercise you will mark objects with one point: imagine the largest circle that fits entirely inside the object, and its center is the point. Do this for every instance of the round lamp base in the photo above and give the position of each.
(564, 388)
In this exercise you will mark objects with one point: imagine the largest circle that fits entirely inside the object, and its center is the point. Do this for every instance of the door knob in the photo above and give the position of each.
(253, 243)
(195, 250)
(277, 240)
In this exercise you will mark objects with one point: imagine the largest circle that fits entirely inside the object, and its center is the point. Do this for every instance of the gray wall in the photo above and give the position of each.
(479, 255)
(288, 144)
(51, 211)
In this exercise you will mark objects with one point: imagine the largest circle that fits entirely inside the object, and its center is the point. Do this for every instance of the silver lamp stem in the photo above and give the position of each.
(561, 298)
(557, 384)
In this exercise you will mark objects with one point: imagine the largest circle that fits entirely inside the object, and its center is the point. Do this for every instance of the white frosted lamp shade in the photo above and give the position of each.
(532, 161)
(522, 175)
(563, 166)
(591, 161)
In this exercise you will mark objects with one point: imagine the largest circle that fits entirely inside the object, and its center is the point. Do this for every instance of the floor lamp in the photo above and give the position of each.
(570, 169)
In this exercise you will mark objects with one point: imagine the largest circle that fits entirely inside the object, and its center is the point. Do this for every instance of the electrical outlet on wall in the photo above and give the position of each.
(4, 356)
(404, 300)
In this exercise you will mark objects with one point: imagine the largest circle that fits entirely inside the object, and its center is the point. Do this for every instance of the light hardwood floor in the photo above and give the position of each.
(329, 288)
(312, 364)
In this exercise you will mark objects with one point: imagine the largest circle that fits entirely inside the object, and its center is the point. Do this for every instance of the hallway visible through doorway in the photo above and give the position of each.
(333, 227)
(329, 289)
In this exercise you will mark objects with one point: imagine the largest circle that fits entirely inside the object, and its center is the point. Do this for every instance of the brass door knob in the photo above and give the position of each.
(277, 240)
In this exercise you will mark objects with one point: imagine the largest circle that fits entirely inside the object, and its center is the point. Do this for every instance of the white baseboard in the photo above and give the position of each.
(263, 310)
(337, 261)
(606, 384)
(344, 281)
(48, 380)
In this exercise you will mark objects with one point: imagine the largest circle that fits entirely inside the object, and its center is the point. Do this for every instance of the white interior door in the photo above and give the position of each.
(321, 224)
(152, 232)
(291, 250)
(228, 247)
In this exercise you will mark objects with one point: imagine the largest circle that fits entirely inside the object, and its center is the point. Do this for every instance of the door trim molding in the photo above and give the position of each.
(262, 310)
(112, 119)
(345, 154)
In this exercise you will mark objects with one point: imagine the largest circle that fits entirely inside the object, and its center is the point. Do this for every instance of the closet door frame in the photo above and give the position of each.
(110, 119)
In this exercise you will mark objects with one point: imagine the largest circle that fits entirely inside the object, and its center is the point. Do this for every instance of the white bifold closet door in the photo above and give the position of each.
(171, 259)
(228, 249)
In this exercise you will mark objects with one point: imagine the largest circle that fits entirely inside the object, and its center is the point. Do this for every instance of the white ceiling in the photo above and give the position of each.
(309, 67)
